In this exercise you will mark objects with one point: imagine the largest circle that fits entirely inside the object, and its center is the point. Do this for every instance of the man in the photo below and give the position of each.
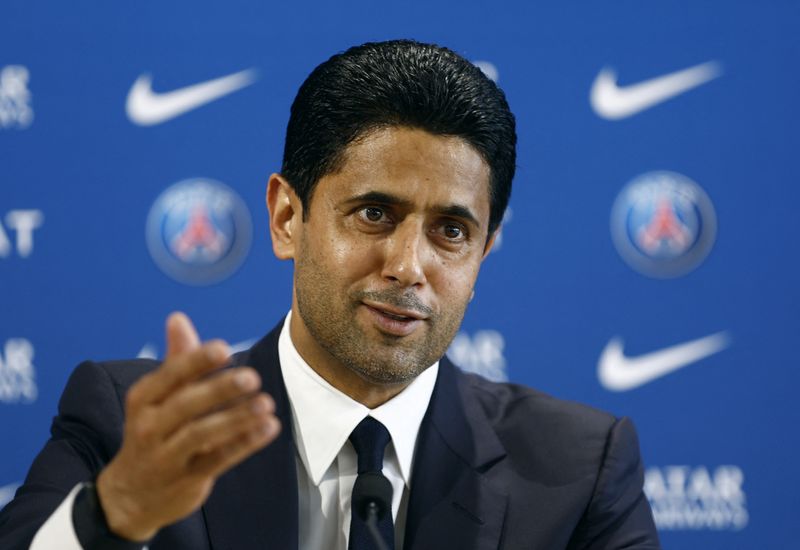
(397, 170)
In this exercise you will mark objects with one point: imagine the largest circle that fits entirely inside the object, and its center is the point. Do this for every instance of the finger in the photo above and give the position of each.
(206, 396)
(181, 335)
(215, 431)
(153, 388)
(236, 450)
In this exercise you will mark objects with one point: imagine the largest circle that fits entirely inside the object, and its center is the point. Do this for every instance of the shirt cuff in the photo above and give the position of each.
(58, 531)
(79, 524)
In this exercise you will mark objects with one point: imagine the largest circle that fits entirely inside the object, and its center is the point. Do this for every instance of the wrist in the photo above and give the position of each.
(91, 527)
(120, 515)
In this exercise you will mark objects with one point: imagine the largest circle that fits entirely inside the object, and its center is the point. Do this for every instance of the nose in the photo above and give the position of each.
(406, 251)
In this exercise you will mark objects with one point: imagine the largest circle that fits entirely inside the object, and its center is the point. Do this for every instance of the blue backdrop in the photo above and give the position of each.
(647, 264)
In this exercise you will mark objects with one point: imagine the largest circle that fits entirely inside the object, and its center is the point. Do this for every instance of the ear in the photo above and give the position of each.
(285, 215)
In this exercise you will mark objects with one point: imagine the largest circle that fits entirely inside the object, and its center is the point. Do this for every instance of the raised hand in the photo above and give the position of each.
(186, 424)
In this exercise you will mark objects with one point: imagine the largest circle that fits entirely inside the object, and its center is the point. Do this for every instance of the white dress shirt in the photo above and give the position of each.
(322, 420)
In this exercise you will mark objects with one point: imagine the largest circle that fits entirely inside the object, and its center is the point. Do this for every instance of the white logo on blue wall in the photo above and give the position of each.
(17, 373)
(480, 354)
(150, 351)
(15, 97)
(489, 69)
(620, 373)
(614, 102)
(147, 108)
(508, 215)
(693, 498)
(663, 224)
(17, 237)
(7, 493)
(199, 231)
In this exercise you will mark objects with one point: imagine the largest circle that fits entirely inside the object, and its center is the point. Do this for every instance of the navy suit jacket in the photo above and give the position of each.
(496, 466)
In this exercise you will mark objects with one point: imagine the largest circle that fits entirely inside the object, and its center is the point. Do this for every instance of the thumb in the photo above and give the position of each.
(181, 334)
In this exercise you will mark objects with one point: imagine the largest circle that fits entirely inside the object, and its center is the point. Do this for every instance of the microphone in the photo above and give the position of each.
(372, 500)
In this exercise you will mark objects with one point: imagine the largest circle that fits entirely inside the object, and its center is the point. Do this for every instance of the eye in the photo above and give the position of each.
(372, 213)
(373, 216)
(452, 232)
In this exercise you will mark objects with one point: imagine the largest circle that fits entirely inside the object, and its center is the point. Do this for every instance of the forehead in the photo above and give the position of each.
(426, 169)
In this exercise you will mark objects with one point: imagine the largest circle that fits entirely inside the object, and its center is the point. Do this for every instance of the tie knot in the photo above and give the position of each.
(370, 438)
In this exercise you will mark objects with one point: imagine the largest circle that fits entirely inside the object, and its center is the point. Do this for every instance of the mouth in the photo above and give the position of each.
(399, 313)
(393, 320)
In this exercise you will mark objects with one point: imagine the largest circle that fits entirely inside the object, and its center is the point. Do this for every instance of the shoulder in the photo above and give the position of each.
(552, 437)
(101, 382)
(95, 395)
(513, 406)
(106, 377)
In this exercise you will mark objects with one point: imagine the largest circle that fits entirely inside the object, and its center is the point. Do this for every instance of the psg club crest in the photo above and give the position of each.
(663, 224)
(199, 231)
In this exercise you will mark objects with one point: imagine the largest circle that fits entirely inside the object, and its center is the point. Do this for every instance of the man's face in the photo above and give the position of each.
(387, 258)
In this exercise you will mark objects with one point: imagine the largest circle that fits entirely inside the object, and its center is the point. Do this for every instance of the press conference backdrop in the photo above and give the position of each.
(648, 263)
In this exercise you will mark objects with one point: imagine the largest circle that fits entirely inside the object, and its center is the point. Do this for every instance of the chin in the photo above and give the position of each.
(383, 374)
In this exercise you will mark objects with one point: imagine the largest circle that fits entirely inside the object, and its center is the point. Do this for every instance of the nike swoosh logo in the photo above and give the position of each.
(619, 373)
(614, 102)
(149, 351)
(148, 108)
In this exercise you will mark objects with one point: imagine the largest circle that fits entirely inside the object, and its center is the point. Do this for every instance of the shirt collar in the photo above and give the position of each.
(323, 417)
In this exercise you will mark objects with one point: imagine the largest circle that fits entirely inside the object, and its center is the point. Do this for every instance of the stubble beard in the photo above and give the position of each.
(378, 358)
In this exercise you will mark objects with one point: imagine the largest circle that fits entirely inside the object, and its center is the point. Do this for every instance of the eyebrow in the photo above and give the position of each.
(454, 210)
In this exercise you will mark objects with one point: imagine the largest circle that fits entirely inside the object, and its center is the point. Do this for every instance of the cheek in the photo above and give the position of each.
(454, 281)
(349, 258)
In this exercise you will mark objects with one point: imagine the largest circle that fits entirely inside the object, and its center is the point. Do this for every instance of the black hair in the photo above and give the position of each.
(398, 83)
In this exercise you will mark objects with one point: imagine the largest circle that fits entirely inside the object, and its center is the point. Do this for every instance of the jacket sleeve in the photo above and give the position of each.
(84, 436)
(619, 515)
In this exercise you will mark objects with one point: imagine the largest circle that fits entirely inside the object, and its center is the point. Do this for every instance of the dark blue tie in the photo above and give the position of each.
(370, 438)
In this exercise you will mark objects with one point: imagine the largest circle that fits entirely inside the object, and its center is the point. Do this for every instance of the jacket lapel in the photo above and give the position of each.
(451, 503)
(255, 504)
